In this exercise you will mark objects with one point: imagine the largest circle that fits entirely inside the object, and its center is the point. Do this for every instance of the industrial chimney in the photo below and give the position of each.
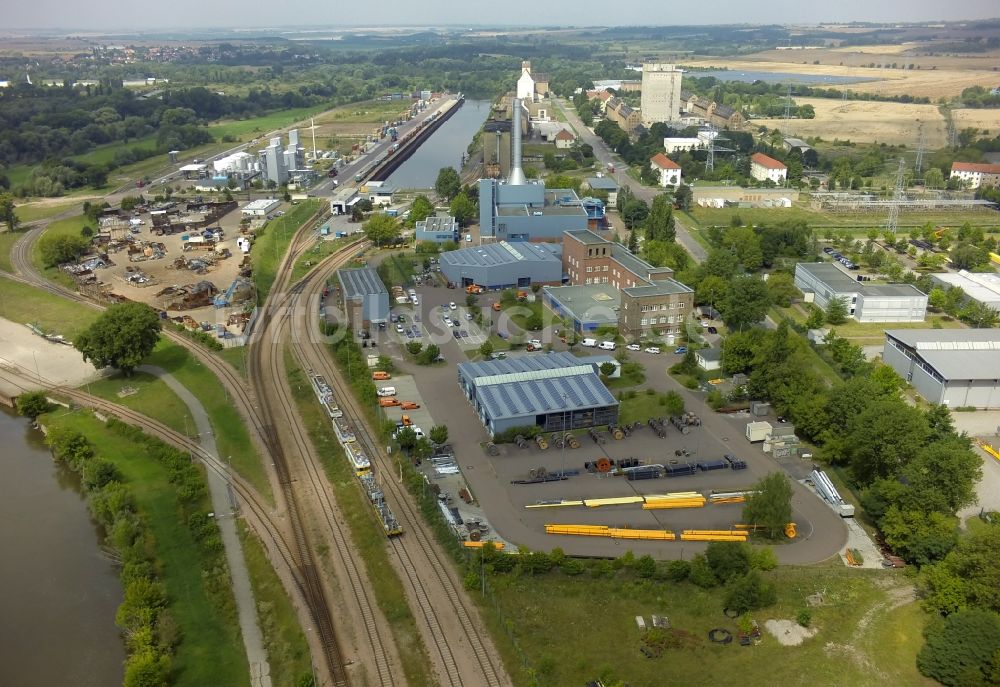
(516, 176)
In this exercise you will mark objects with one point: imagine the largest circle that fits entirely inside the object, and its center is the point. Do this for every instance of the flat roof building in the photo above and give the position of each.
(260, 207)
(983, 288)
(364, 298)
(555, 391)
(587, 307)
(439, 228)
(953, 367)
(822, 282)
(661, 93)
(504, 265)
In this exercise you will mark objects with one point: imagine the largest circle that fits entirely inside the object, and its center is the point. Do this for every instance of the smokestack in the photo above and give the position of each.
(516, 176)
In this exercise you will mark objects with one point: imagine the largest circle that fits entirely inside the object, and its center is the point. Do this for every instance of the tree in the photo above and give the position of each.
(421, 209)
(486, 349)
(414, 347)
(781, 286)
(816, 318)
(933, 178)
(973, 570)
(682, 197)
(978, 315)
(711, 290)
(534, 322)
(58, 249)
(422, 449)
(406, 438)
(7, 212)
(750, 592)
(660, 221)
(728, 560)
(882, 438)
(920, 538)
(960, 648)
(381, 229)
(633, 242)
(31, 404)
(634, 212)
(430, 354)
(464, 209)
(966, 256)
(439, 434)
(746, 303)
(447, 184)
(121, 337)
(608, 369)
(770, 507)
(836, 310)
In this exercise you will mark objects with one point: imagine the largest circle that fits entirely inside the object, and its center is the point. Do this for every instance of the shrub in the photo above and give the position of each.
(804, 617)
(749, 593)
(960, 647)
(32, 404)
(763, 558)
(678, 571)
(728, 560)
(701, 573)
(645, 566)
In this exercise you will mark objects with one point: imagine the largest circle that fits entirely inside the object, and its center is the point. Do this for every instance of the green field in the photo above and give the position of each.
(861, 640)
(271, 244)
(366, 112)
(366, 531)
(306, 262)
(239, 128)
(231, 436)
(237, 357)
(22, 303)
(707, 217)
(210, 651)
(152, 397)
(7, 241)
(287, 650)
(30, 212)
(865, 333)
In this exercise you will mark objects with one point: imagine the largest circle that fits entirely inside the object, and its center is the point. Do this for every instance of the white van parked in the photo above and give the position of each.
(589, 343)
(387, 391)
(607, 346)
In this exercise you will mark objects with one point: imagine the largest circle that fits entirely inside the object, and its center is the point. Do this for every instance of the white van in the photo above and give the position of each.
(589, 343)
(387, 391)
(607, 346)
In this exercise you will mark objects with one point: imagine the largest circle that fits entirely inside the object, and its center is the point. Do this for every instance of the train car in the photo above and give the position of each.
(356, 456)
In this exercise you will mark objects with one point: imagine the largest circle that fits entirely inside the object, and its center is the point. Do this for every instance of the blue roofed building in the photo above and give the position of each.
(556, 392)
(504, 265)
(439, 228)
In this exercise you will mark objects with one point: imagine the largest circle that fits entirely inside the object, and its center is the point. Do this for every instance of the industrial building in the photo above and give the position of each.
(439, 228)
(822, 282)
(364, 298)
(766, 168)
(503, 265)
(661, 93)
(555, 391)
(605, 184)
(523, 210)
(611, 286)
(954, 367)
(282, 165)
(979, 287)
(260, 207)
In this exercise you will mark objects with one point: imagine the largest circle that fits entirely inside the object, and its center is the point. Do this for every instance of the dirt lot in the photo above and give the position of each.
(27, 353)
(162, 273)
(865, 121)
(985, 120)
(932, 83)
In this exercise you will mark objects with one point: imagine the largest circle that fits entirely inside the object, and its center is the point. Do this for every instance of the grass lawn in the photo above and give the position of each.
(231, 436)
(239, 128)
(642, 407)
(22, 303)
(153, 398)
(7, 241)
(311, 257)
(235, 356)
(857, 223)
(270, 246)
(210, 651)
(539, 610)
(287, 649)
(30, 212)
(367, 532)
(397, 269)
(368, 111)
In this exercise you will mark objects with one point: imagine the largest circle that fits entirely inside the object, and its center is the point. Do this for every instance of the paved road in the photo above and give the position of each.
(604, 155)
(222, 502)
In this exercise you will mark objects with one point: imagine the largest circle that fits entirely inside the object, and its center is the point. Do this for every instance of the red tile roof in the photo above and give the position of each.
(564, 135)
(766, 161)
(975, 167)
(664, 162)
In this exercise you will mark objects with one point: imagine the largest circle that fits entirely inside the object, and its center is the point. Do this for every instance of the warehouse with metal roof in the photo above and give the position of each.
(822, 282)
(555, 391)
(504, 265)
(954, 367)
(363, 297)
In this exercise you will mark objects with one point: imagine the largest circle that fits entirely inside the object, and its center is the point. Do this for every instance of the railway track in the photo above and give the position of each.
(423, 564)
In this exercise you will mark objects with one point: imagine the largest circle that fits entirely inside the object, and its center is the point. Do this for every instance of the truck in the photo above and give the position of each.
(829, 493)
(758, 431)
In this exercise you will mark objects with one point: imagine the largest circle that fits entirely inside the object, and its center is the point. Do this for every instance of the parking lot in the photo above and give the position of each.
(822, 533)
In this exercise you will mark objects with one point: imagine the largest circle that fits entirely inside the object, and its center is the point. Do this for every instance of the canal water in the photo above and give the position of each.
(58, 592)
(444, 148)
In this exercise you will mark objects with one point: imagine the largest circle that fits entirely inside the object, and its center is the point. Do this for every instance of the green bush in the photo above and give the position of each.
(960, 648)
(700, 572)
(728, 560)
(804, 617)
(31, 404)
(678, 571)
(750, 593)
(763, 558)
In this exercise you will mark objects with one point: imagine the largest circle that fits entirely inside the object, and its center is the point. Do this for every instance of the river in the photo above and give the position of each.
(58, 592)
(443, 149)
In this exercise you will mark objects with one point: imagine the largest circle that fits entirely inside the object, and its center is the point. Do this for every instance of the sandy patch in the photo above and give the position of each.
(30, 355)
(865, 121)
(789, 633)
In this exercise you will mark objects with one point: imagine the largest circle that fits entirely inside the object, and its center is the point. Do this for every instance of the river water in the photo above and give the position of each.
(58, 592)
(443, 149)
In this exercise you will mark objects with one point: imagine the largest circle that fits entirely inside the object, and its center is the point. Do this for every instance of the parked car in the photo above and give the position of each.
(468, 315)
(633, 347)
(537, 343)
(653, 349)
(452, 306)
(399, 328)
(681, 349)
(712, 330)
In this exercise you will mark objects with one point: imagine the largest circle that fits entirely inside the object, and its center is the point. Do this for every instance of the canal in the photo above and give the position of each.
(58, 591)
(444, 148)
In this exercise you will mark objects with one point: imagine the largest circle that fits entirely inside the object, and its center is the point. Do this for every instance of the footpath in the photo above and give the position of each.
(224, 501)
